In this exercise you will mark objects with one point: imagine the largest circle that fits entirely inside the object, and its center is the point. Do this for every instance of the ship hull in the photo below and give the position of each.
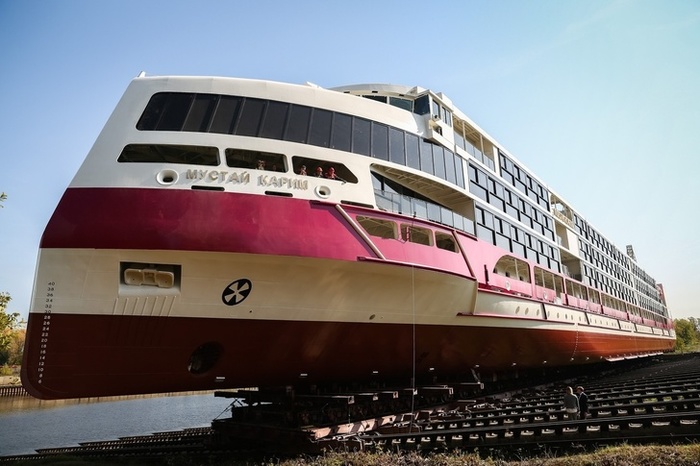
(316, 301)
(119, 355)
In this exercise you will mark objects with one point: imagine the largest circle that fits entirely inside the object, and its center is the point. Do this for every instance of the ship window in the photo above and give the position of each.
(378, 98)
(320, 133)
(361, 136)
(166, 111)
(378, 227)
(275, 118)
(380, 141)
(342, 172)
(548, 280)
(298, 126)
(225, 115)
(426, 156)
(341, 138)
(414, 234)
(401, 103)
(412, 155)
(421, 105)
(459, 171)
(251, 114)
(450, 166)
(512, 267)
(397, 146)
(256, 160)
(162, 153)
(200, 113)
(439, 158)
(445, 241)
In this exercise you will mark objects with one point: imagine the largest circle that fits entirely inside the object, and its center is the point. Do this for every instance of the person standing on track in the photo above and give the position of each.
(582, 402)
(571, 403)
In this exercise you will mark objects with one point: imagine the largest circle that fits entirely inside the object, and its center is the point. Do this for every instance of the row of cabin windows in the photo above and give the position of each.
(246, 116)
(493, 192)
(235, 158)
(518, 177)
(605, 263)
(590, 234)
(388, 229)
(642, 275)
(598, 280)
(517, 269)
(394, 197)
(502, 233)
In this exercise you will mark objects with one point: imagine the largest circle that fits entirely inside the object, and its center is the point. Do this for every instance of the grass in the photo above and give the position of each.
(622, 455)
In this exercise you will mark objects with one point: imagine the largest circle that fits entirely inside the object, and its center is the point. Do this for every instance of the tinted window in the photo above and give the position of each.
(163, 153)
(426, 156)
(225, 115)
(175, 112)
(439, 158)
(450, 166)
(275, 119)
(397, 147)
(421, 105)
(320, 132)
(341, 138)
(251, 114)
(151, 115)
(298, 126)
(412, 154)
(200, 113)
(360, 136)
(380, 141)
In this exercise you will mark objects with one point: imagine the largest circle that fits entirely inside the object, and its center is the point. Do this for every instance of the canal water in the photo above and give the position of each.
(27, 424)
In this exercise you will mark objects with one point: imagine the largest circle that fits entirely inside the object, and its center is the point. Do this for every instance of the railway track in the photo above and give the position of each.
(655, 401)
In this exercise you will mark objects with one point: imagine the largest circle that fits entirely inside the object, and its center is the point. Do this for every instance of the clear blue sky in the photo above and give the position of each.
(601, 99)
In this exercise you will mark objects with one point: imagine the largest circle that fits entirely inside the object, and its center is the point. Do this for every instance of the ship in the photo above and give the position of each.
(226, 232)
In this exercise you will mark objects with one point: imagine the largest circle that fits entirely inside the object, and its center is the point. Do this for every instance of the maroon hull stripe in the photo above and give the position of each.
(89, 356)
(190, 220)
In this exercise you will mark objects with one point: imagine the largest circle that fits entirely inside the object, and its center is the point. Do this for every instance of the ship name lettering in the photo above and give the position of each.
(282, 182)
(220, 176)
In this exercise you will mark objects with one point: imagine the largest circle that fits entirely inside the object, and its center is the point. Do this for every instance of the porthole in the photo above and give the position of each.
(324, 192)
(167, 177)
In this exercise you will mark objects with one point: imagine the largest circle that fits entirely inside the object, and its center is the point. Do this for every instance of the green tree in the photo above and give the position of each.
(7, 325)
(687, 334)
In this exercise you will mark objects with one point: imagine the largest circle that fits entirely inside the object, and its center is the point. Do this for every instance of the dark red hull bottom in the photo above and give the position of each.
(90, 356)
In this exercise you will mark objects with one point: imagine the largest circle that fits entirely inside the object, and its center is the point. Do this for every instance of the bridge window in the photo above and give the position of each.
(512, 267)
(378, 227)
(163, 153)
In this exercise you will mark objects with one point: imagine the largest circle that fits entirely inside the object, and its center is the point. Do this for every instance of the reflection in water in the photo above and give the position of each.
(27, 424)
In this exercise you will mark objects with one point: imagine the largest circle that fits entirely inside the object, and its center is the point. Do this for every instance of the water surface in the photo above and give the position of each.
(27, 424)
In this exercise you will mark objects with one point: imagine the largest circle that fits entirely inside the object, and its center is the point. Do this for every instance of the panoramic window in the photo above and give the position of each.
(512, 267)
(549, 280)
(163, 153)
(256, 160)
(253, 117)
